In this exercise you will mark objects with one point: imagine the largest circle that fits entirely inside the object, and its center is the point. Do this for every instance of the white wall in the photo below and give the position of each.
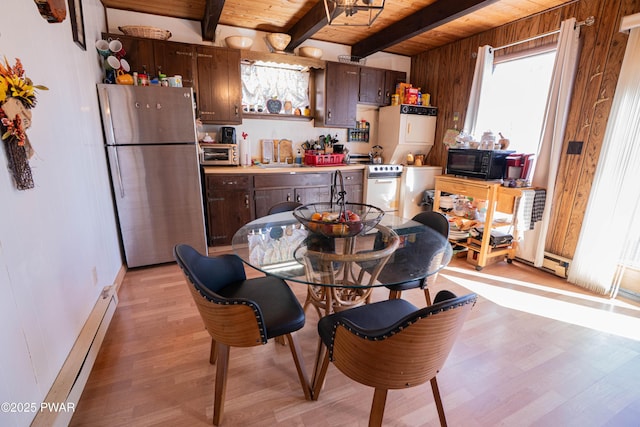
(298, 132)
(58, 241)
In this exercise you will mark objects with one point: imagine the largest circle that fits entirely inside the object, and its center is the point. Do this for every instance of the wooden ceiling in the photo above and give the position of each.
(404, 27)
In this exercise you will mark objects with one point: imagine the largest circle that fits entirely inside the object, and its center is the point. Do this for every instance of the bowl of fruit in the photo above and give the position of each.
(338, 220)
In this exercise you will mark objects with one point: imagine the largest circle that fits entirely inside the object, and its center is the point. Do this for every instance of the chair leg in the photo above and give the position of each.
(438, 400)
(377, 407)
(299, 361)
(320, 371)
(213, 353)
(395, 294)
(427, 296)
(221, 383)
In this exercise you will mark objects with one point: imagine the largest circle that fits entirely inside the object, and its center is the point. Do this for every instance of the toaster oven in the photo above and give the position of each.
(219, 155)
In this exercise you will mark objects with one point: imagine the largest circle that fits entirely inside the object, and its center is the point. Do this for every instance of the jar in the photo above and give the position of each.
(410, 159)
(418, 160)
(488, 141)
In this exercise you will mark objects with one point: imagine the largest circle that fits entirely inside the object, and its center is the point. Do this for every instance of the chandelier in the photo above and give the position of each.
(369, 11)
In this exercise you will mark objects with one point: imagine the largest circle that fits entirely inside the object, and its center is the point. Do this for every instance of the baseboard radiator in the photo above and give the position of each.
(556, 264)
(62, 399)
(553, 263)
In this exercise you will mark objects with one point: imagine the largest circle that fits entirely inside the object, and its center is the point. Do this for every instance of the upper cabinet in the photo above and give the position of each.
(172, 59)
(391, 79)
(219, 93)
(371, 86)
(341, 86)
(337, 88)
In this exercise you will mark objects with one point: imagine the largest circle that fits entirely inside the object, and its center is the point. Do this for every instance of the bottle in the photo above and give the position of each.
(307, 111)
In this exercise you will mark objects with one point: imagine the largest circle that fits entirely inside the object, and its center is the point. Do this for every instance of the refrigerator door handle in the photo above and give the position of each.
(118, 173)
(109, 132)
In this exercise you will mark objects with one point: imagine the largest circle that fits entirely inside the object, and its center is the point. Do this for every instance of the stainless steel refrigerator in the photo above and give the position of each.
(153, 160)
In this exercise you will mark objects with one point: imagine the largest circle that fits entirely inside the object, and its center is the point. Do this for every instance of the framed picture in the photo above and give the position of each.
(77, 23)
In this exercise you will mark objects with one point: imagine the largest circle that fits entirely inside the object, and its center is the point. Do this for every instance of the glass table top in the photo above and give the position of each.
(278, 245)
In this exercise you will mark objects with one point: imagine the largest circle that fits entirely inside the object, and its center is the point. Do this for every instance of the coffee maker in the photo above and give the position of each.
(227, 135)
(519, 166)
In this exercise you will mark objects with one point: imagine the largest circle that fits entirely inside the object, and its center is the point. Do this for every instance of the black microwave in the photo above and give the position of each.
(482, 164)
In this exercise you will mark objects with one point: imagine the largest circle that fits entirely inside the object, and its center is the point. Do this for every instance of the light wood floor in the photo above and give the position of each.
(528, 355)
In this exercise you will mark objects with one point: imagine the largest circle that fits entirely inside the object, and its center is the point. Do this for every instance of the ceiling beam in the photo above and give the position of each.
(307, 26)
(212, 12)
(432, 16)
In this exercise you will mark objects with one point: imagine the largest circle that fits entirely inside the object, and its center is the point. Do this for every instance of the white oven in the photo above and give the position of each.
(382, 187)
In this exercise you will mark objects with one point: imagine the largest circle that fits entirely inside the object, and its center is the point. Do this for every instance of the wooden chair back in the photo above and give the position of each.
(411, 355)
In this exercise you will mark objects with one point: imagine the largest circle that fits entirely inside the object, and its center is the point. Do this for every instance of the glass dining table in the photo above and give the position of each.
(341, 272)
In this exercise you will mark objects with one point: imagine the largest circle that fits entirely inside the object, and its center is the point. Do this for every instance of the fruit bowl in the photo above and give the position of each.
(335, 220)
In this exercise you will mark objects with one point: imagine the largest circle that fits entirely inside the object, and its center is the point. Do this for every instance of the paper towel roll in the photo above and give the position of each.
(245, 152)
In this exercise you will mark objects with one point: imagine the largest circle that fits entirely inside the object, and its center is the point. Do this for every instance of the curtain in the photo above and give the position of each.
(553, 127)
(610, 232)
(481, 78)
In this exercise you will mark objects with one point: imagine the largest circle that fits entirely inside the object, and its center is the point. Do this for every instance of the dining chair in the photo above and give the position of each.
(438, 222)
(392, 344)
(240, 312)
(283, 207)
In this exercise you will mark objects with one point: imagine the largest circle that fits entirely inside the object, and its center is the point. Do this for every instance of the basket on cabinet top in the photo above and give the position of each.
(146, 32)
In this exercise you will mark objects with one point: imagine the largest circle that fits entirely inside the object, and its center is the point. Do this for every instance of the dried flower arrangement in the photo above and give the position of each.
(17, 98)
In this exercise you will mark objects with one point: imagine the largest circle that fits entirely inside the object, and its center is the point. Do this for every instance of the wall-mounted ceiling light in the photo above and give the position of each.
(355, 13)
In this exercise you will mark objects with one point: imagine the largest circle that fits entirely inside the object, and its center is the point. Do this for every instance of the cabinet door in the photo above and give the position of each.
(227, 212)
(391, 79)
(267, 197)
(341, 94)
(219, 94)
(140, 55)
(306, 195)
(371, 89)
(175, 59)
(353, 185)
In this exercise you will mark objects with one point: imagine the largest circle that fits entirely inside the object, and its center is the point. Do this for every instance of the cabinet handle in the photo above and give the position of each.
(213, 113)
(288, 197)
(202, 55)
(298, 199)
(349, 178)
(184, 53)
(246, 200)
(328, 114)
(380, 92)
(236, 109)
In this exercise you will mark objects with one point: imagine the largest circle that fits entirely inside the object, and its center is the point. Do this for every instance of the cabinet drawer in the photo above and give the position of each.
(292, 180)
(226, 182)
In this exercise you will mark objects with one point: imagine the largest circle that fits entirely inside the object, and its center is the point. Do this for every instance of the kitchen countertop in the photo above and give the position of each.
(255, 170)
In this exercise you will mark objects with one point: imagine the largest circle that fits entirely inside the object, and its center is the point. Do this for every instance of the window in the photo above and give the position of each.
(514, 99)
(261, 83)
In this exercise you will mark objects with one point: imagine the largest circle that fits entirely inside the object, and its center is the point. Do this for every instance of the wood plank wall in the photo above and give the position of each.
(446, 74)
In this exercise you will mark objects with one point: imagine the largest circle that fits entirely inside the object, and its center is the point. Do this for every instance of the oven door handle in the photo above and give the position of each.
(384, 181)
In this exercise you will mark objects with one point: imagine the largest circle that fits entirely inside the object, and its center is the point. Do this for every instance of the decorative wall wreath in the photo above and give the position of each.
(17, 98)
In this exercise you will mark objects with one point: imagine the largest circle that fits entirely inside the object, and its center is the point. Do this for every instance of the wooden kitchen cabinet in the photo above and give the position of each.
(219, 93)
(156, 56)
(337, 88)
(172, 59)
(391, 79)
(139, 51)
(371, 87)
(270, 189)
(229, 206)
(353, 186)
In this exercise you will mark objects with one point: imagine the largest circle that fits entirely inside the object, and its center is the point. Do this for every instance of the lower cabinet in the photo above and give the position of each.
(229, 206)
(232, 200)
(304, 188)
(353, 186)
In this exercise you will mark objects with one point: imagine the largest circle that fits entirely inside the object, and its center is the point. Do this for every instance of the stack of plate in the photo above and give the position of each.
(446, 203)
(455, 234)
